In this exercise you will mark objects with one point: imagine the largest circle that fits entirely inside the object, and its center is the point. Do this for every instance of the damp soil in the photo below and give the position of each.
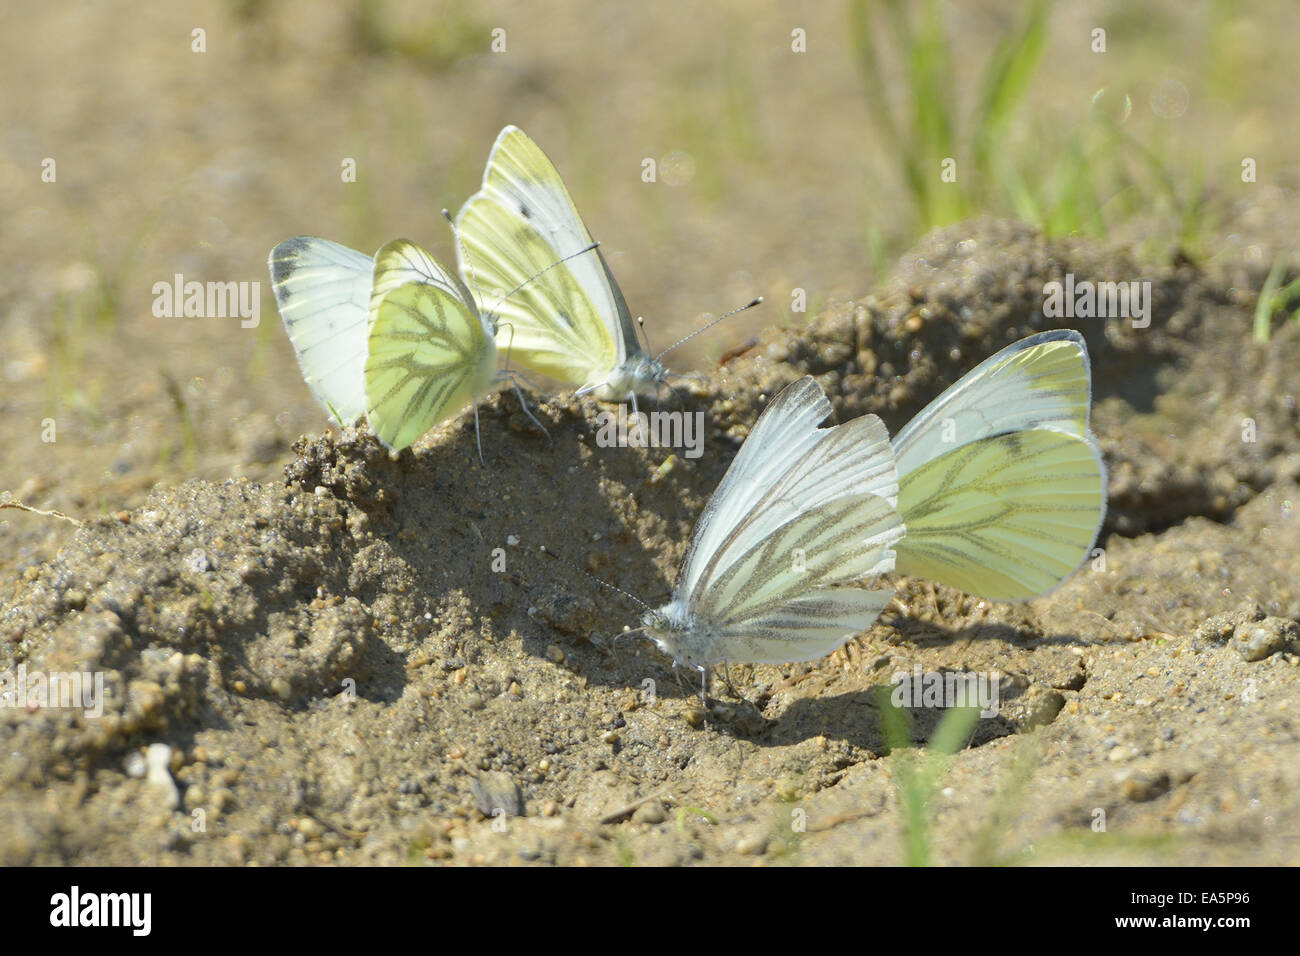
(354, 659)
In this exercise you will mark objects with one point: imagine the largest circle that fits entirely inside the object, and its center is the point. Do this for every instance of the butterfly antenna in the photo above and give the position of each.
(602, 583)
(541, 272)
(705, 328)
(645, 336)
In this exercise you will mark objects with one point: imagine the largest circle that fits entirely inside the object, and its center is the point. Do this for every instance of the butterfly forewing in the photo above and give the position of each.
(784, 432)
(801, 513)
(834, 543)
(549, 322)
(849, 459)
(1042, 381)
(323, 293)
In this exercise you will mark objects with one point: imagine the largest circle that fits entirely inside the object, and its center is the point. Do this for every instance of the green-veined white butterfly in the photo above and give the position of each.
(801, 514)
(1001, 485)
(570, 323)
(396, 338)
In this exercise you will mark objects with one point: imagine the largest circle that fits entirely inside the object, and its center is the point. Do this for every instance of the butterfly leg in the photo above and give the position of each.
(528, 411)
(726, 676)
(478, 435)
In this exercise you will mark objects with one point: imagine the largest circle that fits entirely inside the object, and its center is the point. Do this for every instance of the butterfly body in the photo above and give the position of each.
(638, 375)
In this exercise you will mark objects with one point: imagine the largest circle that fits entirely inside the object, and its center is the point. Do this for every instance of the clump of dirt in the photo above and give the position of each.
(373, 661)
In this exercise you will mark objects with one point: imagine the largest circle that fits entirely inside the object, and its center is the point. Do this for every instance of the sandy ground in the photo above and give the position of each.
(344, 670)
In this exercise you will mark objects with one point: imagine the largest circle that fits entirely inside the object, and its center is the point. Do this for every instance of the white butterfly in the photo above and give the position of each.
(801, 514)
(396, 339)
(1001, 484)
(567, 321)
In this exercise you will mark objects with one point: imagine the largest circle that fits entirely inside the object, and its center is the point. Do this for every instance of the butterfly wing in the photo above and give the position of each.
(566, 319)
(786, 460)
(1007, 517)
(430, 352)
(785, 597)
(801, 512)
(1043, 381)
(323, 293)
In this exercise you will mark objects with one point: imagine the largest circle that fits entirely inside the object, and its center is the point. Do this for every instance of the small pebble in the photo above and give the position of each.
(495, 791)
(158, 759)
(134, 765)
(752, 845)
(1255, 641)
(651, 812)
(1142, 787)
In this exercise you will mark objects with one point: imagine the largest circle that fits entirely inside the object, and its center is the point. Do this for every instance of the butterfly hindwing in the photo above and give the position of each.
(807, 627)
(1007, 517)
(430, 352)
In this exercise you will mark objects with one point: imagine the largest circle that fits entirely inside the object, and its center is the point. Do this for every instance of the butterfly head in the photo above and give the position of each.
(639, 375)
(673, 630)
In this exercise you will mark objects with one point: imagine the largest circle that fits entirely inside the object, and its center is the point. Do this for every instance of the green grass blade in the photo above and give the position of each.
(1264, 305)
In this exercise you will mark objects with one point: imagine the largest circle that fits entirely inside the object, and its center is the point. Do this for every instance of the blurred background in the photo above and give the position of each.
(796, 147)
